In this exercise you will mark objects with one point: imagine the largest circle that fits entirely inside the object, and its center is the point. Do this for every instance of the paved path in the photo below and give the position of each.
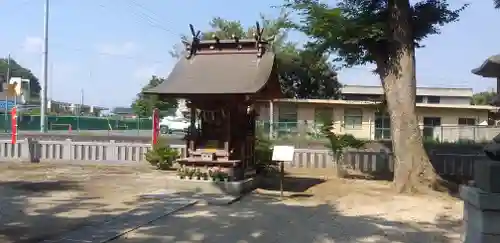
(112, 228)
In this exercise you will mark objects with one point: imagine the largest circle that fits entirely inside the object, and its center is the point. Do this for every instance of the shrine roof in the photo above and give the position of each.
(220, 67)
(490, 68)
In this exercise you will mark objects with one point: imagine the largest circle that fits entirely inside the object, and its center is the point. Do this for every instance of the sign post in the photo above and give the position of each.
(282, 154)
(13, 122)
(156, 125)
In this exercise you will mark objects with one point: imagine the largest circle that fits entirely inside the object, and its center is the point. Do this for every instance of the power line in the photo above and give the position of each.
(145, 14)
(100, 53)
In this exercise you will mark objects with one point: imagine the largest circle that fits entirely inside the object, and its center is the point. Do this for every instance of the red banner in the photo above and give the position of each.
(13, 115)
(156, 125)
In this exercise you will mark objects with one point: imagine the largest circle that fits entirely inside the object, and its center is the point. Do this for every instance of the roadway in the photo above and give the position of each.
(95, 135)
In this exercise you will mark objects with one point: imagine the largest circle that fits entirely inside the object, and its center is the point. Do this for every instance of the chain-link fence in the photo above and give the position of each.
(76, 123)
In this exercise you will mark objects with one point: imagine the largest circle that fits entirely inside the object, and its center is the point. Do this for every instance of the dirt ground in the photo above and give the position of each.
(42, 200)
(317, 208)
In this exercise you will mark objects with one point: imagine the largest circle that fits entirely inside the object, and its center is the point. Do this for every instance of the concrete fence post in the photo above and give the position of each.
(25, 150)
(67, 147)
(112, 151)
(34, 153)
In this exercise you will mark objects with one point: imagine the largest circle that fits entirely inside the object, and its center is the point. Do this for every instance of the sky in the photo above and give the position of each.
(109, 48)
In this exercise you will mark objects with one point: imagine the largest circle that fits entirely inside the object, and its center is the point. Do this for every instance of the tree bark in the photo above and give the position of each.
(413, 170)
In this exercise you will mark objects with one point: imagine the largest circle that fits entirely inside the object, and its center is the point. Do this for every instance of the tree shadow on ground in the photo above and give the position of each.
(290, 183)
(261, 219)
(29, 212)
(256, 219)
(41, 186)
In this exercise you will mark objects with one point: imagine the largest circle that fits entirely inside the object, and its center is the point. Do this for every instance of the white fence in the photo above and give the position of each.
(133, 153)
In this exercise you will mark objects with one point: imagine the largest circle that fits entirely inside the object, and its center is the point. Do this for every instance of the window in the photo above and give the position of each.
(323, 114)
(287, 113)
(287, 120)
(419, 99)
(467, 121)
(433, 99)
(382, 126)
(353, 118)
(429, 124)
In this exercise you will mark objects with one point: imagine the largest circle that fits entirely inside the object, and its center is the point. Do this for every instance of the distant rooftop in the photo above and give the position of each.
(421, 91)
(122, 110)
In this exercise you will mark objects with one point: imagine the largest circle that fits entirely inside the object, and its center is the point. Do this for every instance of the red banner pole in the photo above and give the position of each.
(156, 125)
(13, 123)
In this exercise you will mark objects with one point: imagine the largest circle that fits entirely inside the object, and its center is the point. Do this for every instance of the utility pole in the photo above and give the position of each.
(79, 110)
(45, 59)
(6, 85)
(51, 81)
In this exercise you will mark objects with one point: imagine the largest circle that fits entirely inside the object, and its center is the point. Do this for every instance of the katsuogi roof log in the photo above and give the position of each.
(235, 66)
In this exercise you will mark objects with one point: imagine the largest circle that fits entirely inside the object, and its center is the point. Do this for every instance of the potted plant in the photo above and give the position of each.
(220, 175)
(227, 178)
(190, 173)
(212, 173)
(181, 172)
(198, 174)
(205, 176)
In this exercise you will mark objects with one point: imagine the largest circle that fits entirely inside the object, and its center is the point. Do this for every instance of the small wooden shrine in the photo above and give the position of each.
(221, 81)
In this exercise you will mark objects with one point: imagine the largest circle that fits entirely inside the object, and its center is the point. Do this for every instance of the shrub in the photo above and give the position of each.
(162, 156)
(338, 143)
(263, 154)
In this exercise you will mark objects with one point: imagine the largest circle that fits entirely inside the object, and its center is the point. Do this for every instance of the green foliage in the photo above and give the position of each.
(263, 154)
(17, 70)
(144, 104)
(162, 156)
(359, 31)
(302, 73)
(337, 143)
(483, 98)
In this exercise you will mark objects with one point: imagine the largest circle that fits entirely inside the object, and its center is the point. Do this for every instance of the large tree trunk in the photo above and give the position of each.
(413, 170)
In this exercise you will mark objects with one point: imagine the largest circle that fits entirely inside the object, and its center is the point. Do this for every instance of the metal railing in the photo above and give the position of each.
(312, 131)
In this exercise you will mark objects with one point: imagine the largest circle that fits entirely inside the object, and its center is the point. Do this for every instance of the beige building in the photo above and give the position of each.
(443, 114)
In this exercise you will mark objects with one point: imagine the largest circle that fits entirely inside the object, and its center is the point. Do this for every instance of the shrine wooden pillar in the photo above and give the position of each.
(271, 119)
(192, 127)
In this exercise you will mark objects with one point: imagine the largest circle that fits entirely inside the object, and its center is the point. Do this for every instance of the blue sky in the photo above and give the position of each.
(109, 48)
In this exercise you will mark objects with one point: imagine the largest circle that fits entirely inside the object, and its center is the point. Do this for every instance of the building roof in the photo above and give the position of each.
(421, 91)
(490, 68)
(3, 96)
(368, 103)
(225, 67)
(122, 110)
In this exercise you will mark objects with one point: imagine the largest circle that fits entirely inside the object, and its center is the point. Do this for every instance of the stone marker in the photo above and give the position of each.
(482, 202)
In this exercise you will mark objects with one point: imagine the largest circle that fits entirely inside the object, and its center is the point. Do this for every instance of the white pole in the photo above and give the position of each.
(43, 97)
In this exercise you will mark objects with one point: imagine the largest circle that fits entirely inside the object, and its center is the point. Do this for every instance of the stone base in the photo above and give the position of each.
(481, 215)
(233, 188)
